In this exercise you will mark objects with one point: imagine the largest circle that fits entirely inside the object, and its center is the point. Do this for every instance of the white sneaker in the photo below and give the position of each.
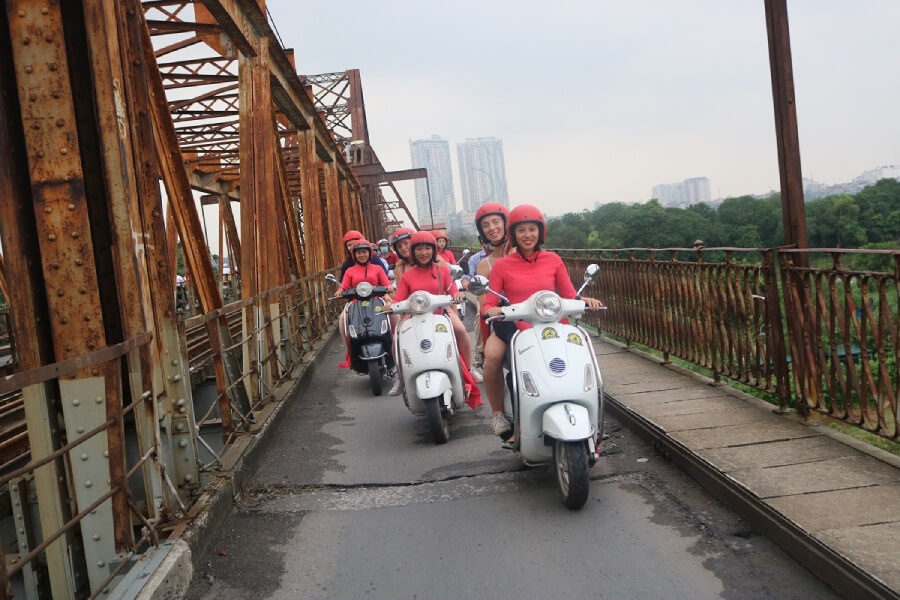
(396, 388)
(499, 424)
(476, 375)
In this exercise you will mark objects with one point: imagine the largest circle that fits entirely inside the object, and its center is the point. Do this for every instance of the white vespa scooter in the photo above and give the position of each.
(428, 360)
(557, 393)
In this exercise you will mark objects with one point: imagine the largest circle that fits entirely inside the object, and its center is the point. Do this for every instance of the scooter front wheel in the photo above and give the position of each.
(438, 422)
(375, 377)
(571, 462)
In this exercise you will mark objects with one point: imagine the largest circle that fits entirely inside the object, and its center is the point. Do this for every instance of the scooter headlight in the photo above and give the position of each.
(548, 306)
(418, 303)
(364, 289)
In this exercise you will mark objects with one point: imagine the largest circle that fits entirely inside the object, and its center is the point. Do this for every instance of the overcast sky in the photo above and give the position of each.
(600, 100)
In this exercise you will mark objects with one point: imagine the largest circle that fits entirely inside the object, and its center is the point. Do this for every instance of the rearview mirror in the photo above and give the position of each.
(456, 272)
(591, 272)
(332, 279)
(478, 285)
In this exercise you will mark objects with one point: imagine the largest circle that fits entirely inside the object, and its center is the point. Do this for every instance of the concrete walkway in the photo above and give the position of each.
(829, 500)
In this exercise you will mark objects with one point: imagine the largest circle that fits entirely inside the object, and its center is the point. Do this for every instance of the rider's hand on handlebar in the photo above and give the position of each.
(492, 312)
(459, 296)
(592, 303)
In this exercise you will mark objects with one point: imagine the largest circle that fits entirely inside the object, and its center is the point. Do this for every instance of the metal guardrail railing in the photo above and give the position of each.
(121, 507)
(820, 338)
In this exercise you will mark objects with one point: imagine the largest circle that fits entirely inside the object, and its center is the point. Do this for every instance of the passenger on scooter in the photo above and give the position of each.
(442, 247)
(517, 276)
(490, 225)
(384, 251)
(350, 238)
(430, 276)
(361, 270)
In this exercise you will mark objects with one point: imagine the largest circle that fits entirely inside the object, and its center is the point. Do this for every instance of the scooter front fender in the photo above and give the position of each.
(432, 384)
(567, 421)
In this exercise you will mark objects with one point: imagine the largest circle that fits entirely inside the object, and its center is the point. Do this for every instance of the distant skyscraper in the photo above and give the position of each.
(433, 154)
(482, 172)
(690, 191)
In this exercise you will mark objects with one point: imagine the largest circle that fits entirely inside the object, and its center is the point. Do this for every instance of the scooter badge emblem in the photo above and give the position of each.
(549, 333)
(574, 338)
(440, 328)
(365, 302)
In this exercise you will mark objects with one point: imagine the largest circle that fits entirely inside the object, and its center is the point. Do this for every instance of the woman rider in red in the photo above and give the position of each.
(443, 251)
(430, 276)
(361, 270)
(517, 276)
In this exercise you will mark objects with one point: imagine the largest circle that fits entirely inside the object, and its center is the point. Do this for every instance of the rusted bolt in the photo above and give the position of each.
(87, 317)
(54, 265)
(91, 346)
(94, 372)
(32, 96)
(76, 235)
(60, 122)
(76, 402)
(64, 319)
(21, 13)
(44, 11)
(52, 66)
(143, 112)
(36, 126)
(155, 213)
(63, 151)
(48, 38)
(59, 292)
(136, 62)
(40, 154)
(26, 41)
(52, 237)
(55, 94)
(28, 69)
(160, 263)
(71, 206)
(82, 290)
(79, 262)
(68, 347)
(48, 210)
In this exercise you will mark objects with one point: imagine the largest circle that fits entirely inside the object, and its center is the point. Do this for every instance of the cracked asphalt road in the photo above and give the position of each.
(354, 501)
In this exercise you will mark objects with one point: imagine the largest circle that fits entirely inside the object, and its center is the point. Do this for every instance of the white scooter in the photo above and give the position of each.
(557, 391)
(428, 360)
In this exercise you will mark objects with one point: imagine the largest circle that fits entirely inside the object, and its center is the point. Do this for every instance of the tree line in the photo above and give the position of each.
(868, 219)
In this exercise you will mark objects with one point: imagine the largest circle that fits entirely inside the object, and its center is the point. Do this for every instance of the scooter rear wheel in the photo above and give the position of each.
(438, 422)
(375, 377)
(570, 460)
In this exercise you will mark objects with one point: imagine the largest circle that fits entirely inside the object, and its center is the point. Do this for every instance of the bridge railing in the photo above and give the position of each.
(817, 339)
(118, 513)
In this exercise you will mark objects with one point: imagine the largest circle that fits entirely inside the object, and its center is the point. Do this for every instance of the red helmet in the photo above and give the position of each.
(490, 208)
(423, 237)
(438, 235)
(399, 235)
(526, 213)
(352, 235)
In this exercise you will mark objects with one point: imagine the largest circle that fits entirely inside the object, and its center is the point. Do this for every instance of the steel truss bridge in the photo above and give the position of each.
(125, 388)
(117, 118)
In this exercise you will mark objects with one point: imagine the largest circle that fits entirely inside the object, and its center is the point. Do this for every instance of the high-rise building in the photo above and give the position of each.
(690, 191)
(434, 196)
(482, 172)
